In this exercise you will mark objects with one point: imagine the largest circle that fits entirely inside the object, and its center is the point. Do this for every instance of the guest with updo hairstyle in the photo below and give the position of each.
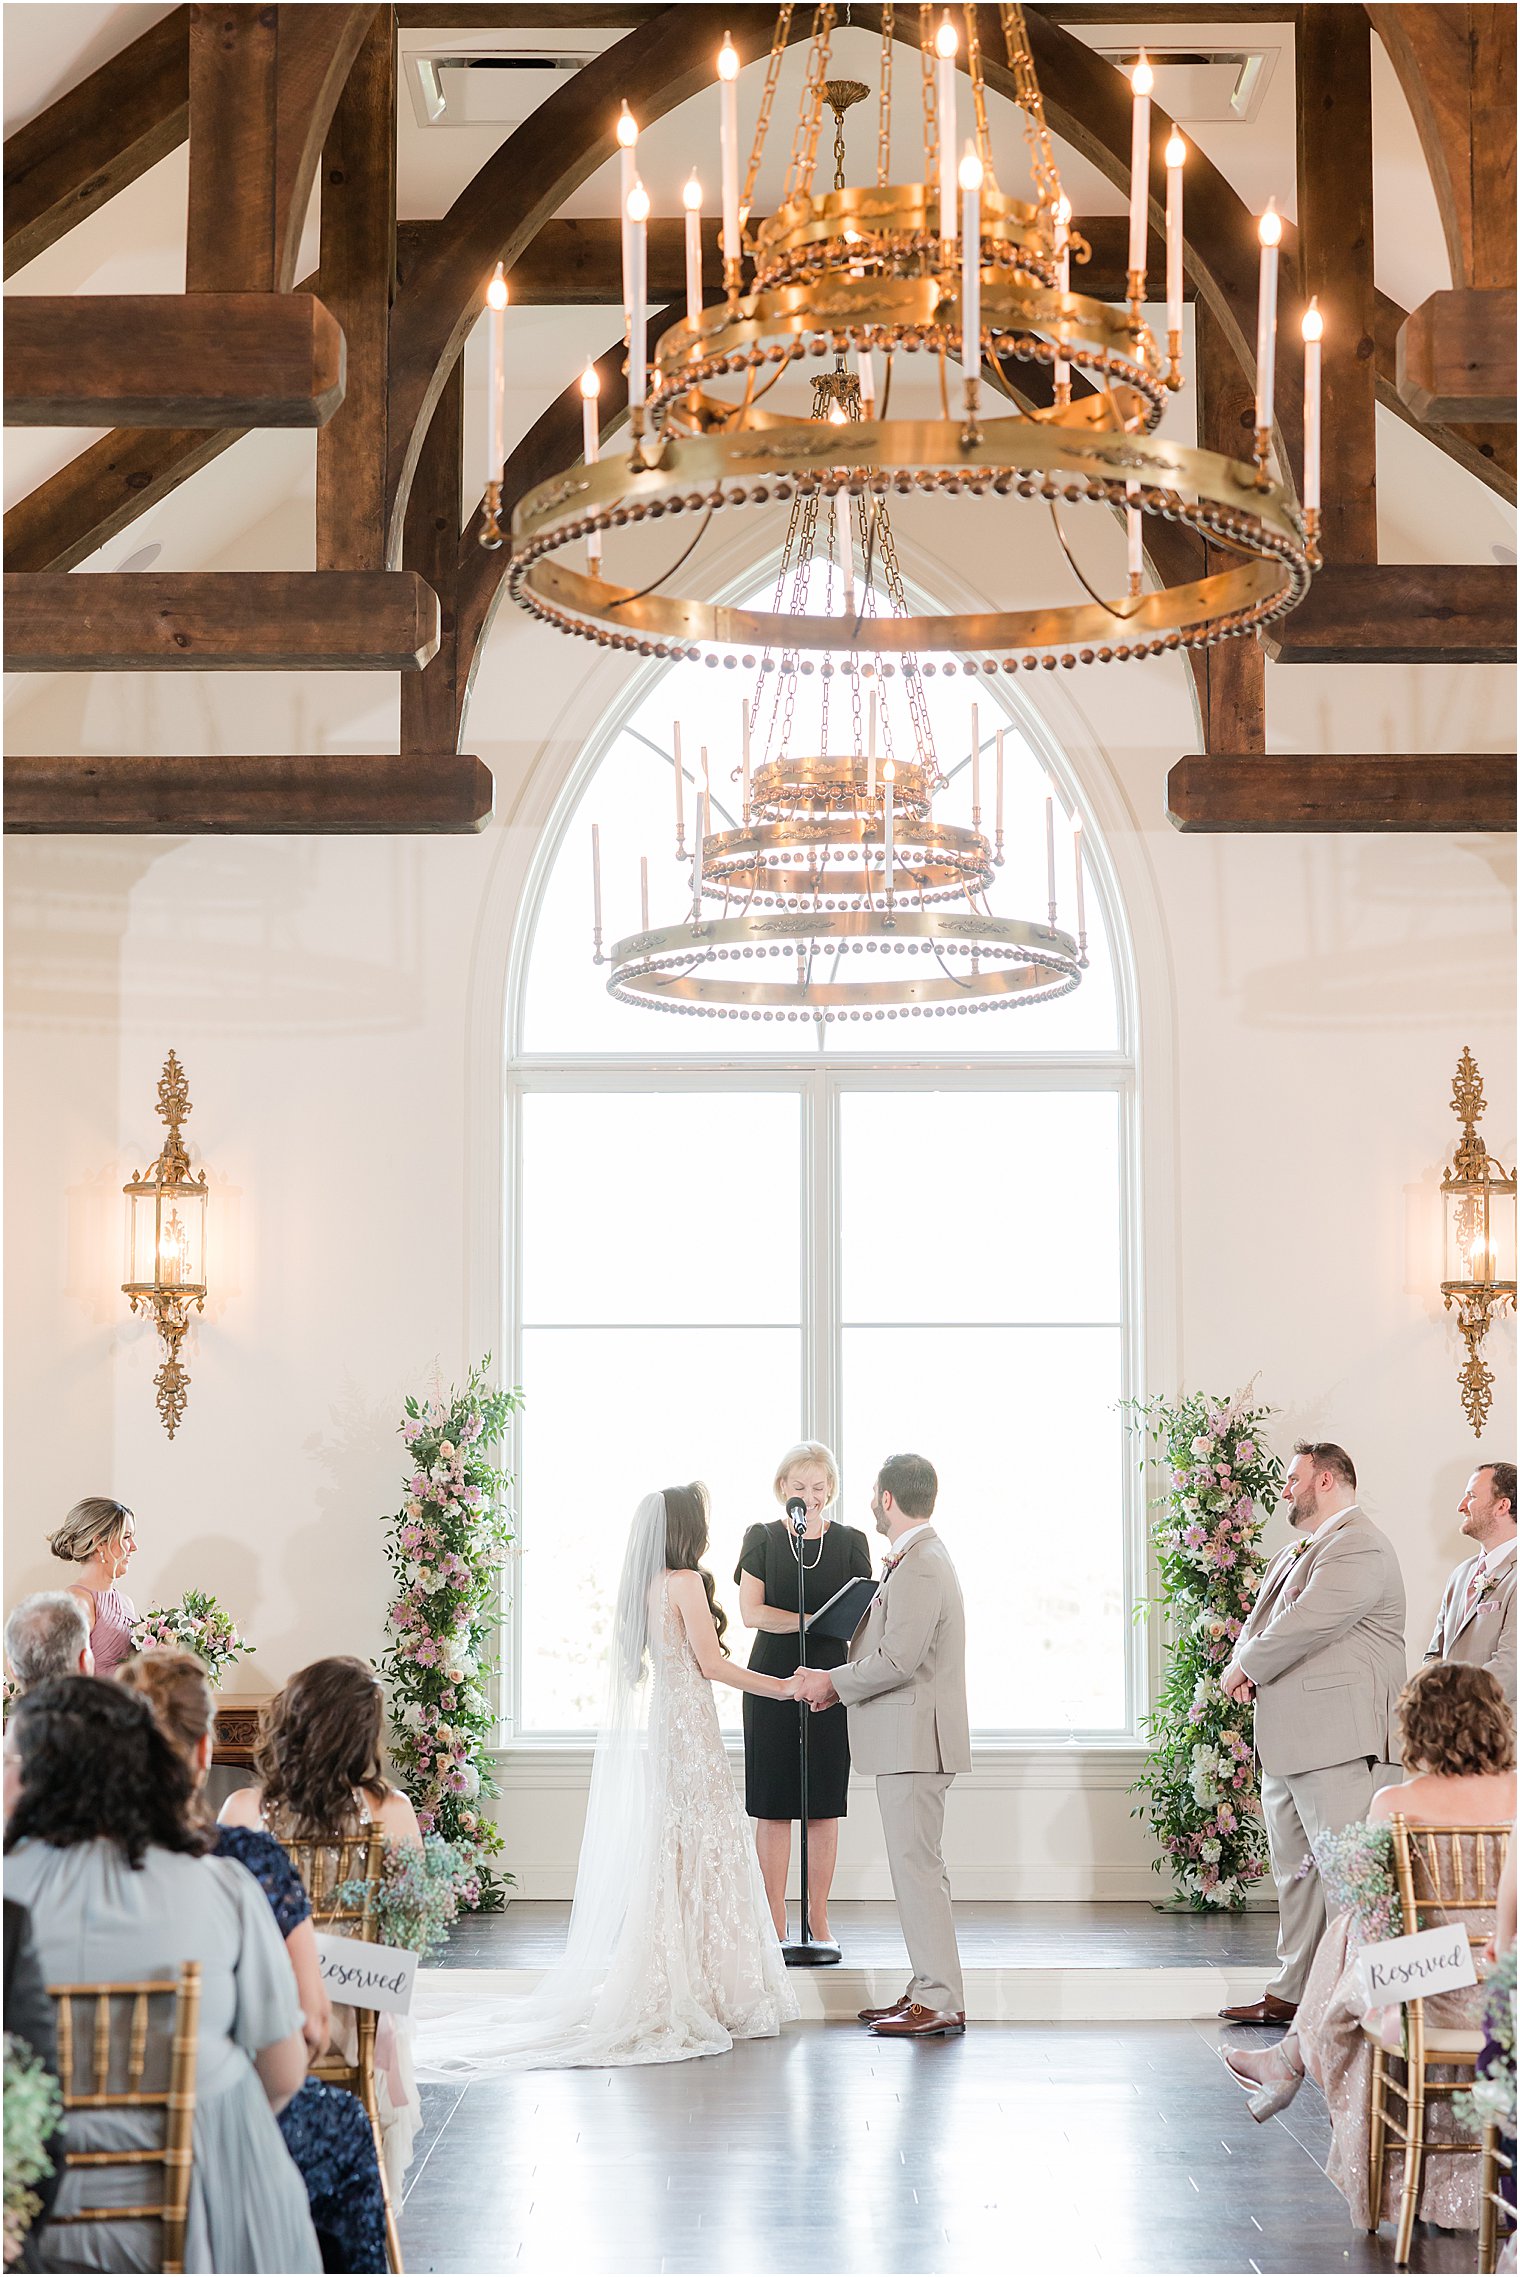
(317, 1767)
(99, 1538)
(103, 1847)
(327, 2131)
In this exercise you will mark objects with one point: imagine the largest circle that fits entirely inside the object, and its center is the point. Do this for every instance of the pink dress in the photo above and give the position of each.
(111, 1637)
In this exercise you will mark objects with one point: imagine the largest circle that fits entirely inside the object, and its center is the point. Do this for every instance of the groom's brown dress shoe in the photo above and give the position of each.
(917, 2023)
(899, 2007)
(1268, 2010)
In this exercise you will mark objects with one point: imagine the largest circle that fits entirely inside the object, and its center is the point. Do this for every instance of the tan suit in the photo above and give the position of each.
(1485, 1637)
(905, 1687)
(1324, 1646)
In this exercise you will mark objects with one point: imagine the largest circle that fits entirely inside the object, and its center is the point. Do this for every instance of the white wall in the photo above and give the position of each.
(338, 1005)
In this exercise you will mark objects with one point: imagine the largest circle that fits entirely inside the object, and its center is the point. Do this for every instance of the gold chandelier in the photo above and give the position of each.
(949, 267)
(838, 895)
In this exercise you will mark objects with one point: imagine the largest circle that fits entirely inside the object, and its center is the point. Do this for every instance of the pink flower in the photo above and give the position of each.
(425, 1652)
(1245, 1450)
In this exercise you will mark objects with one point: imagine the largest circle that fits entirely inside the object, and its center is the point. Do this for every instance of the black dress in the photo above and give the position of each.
(772, 1779)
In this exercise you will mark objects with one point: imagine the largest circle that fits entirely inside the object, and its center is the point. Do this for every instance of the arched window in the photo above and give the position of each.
(910, 1233)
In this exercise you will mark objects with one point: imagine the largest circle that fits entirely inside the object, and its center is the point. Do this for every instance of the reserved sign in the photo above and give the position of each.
(368, 1976)
(1412, 1968)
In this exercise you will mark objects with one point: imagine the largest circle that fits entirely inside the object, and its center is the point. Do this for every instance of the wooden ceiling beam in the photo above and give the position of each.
(1231, 676)
(1232, 793)
(431, 701)
(171, 360)
(359, 265)
(264, 84)
(1401, 613)
(1456, 355)
(1333, 68)
(283, 620)
(323, 794)
(67, 162)
(1456, 65)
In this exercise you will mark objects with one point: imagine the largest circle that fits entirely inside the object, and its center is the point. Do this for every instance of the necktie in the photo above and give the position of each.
(1475, 1581)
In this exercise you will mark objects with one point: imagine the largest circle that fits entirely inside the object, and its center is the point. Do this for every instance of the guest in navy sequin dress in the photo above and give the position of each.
(326, 2130)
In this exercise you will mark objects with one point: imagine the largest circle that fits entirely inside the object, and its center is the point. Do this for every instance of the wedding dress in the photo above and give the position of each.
(671, 1950)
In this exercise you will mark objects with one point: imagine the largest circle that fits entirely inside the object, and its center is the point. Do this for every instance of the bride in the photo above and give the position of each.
(671, 1950)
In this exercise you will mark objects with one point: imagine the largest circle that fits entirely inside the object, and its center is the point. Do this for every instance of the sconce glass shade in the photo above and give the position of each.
(1480, 1233)
(166, 1237)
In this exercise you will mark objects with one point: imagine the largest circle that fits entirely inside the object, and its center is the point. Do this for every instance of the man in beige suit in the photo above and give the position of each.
(905, 1686)
(1322, 1655)
(1476, 1622)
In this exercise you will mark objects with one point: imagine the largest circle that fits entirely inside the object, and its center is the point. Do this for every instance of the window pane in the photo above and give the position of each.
(1022, 1428)
(613, 1415)
(1025, 1219)
(647, 1206)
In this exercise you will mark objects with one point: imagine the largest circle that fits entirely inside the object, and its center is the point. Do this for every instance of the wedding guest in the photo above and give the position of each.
(327, 2131)
(773, 1564)
(1322, 1656)
(101, 1847)
(99, 1536)
(1476, 1622)
(29, 2017)
(48, 1635)
(318, 1777)
(1457, 1745)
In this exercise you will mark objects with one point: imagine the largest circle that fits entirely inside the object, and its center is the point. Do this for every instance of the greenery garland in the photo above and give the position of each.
(1200, 1776)
(447, 1546)
(33, 2108)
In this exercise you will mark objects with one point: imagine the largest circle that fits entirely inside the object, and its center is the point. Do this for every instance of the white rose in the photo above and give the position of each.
(471, 1786)
(1203, 1449)
(445, 1734)
(446, 1449)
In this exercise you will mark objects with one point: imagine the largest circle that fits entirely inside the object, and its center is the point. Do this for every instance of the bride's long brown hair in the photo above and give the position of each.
(686, 1510)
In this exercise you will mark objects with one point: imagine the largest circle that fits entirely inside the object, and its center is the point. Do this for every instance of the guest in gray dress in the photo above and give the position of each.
(101, 1846)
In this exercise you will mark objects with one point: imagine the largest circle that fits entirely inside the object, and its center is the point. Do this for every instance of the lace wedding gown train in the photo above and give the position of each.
(672, 1951)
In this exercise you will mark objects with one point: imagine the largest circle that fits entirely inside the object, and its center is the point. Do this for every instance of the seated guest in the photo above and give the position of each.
(101, 1847)
(319, 1778)
(1476, 1622)
(29, 2017)
(327, 2131)
(99, 1537)
(48, 1635)
(1457, 1738)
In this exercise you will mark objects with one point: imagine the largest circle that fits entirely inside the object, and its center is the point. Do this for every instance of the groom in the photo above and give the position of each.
(905, 1687)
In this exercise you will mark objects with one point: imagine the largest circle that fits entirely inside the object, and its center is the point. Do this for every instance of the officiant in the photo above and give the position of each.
(770, 1564)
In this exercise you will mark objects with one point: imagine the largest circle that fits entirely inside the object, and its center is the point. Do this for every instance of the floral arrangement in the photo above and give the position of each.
(33, 2107)
(421, 1892)
(1356, 1867)
(1199, 1777)
(1490, 2101)
(447, 1545)
(196, 1624)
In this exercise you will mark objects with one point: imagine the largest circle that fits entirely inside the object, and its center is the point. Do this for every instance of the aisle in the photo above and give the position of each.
(1053, 2149)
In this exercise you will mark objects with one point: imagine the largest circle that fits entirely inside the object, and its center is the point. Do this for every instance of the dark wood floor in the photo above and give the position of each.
(1030, 2147)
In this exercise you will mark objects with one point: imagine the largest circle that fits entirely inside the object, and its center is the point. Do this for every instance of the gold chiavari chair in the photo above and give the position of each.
(104, 2065)
(1491, 2204)
(1438, 1883)
(324, 1865)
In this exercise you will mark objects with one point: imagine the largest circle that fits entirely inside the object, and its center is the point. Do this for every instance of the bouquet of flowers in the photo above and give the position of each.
(447, 1545)
(196, 1624)
(1200, 1777)
(421, 1892)
(1490, 2101)
(1356, 1867)
(33, 2107)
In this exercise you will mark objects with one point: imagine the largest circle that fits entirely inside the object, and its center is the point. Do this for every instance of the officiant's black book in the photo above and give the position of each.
(843, 1613)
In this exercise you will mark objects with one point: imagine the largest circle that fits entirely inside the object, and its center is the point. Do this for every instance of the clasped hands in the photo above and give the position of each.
(814, 1688)
(1236, 1685)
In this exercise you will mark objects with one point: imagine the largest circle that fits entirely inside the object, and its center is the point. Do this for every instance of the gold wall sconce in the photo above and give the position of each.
(166, 1243)
(1478, 1197)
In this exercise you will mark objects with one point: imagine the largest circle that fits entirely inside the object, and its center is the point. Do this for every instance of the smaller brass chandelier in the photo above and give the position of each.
(166, 1243)
(1478, 1197)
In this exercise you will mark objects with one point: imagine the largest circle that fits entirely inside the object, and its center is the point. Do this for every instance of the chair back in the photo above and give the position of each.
(132, 2047)
(1449, 1873)
(325, 1863)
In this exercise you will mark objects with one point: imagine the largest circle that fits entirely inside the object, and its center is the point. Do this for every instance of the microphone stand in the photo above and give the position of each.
(804, 1951)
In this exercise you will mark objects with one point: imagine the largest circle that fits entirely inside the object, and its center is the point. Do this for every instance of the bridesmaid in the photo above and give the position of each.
(767, 1574)
(99, 1536)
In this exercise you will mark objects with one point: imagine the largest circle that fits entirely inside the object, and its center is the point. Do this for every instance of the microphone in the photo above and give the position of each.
(796, 1510)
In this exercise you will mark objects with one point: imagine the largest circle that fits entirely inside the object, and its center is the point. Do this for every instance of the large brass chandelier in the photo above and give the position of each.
(838, 895)
(956, 269)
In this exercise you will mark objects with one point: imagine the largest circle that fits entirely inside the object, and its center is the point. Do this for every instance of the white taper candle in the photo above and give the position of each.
(976, 762)
(744, 746)
(1314, 332)
(1269, 230)
(1050, 853)
(496, 441)
(1000, 735)
(1134, 531)
(638, 322)
(596, 876)
(628, 139)
(591, 441)
(728, 84)
(971, 263)
(1081, 890)
(1176, 155)
(680, 783)
(945, 47)
(1062, 373)
(691, 199)
(1142, 80)
(888, 777)
(871, 751)
(644, 891)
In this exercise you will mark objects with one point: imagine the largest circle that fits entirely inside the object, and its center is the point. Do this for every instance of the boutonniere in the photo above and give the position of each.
(1486, 1588)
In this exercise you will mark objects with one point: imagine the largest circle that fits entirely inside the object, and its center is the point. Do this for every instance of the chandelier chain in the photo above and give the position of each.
(810, 117)
(931, 110)
(979, 94)
(767, 100)
(1026, 87)
(884, 116)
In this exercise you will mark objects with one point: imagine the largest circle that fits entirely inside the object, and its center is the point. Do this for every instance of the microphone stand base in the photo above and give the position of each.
(809, 1953)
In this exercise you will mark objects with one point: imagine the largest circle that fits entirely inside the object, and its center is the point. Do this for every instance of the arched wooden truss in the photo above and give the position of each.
(263, 92)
